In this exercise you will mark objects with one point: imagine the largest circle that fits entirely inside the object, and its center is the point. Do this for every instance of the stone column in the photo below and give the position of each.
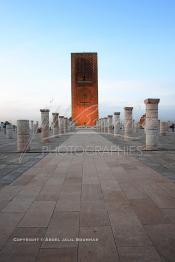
(163, 128)
(65, 124)
(9, 131)
(36, 127)
(23, 135)
(116, 118)
(97, 123)
(101, 124)
(55, 124)
(152, 123)
(110, 125)
(128, 120)
(61, 118)
(31, 125)
(45, 125)
(72, 126)
(105, 124)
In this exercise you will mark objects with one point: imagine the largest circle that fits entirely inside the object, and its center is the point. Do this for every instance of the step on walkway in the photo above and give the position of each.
(123, 209)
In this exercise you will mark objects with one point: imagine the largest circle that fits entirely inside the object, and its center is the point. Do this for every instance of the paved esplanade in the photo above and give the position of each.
(112, 197)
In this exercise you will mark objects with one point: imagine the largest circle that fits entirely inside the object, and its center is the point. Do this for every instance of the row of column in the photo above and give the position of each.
(60, 125)
(10, 130)
(152, 124)
(112, 122)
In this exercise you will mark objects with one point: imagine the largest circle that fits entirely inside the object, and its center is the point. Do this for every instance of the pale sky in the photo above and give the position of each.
(135, 42)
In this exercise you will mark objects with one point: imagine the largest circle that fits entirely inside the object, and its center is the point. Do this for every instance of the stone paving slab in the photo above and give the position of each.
(114, 197)
(38, 215)
(14, 164)
(102, 250)
(162, 160)
(58, 254)
(139, 254)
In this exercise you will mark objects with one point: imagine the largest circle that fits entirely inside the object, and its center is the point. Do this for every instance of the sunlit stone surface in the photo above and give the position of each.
(116, 119)
(127, 121)
(62, 124)
(152, 123)
(110, 125)
(55, 124)
(23, 135)
(45, 124)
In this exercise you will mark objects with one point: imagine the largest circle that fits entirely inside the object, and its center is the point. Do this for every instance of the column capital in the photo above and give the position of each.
(55, 114)
(116, 113)
(129, 108)
(109, 115)
(152, 101)
(44, 110)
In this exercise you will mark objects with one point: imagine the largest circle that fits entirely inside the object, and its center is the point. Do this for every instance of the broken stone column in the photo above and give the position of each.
(105, 124)
(116, 118)
(97, 125)
(70, 125)
(36, 127)
(65, 124)
(102, 124)
(73, 126)
(55, 124)
(152, 129)
(163, 128)
(9, 131)
(23, 135)
(61, 118)
(31, 125)
(45, 125)
(128, 121)
(110, 125)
